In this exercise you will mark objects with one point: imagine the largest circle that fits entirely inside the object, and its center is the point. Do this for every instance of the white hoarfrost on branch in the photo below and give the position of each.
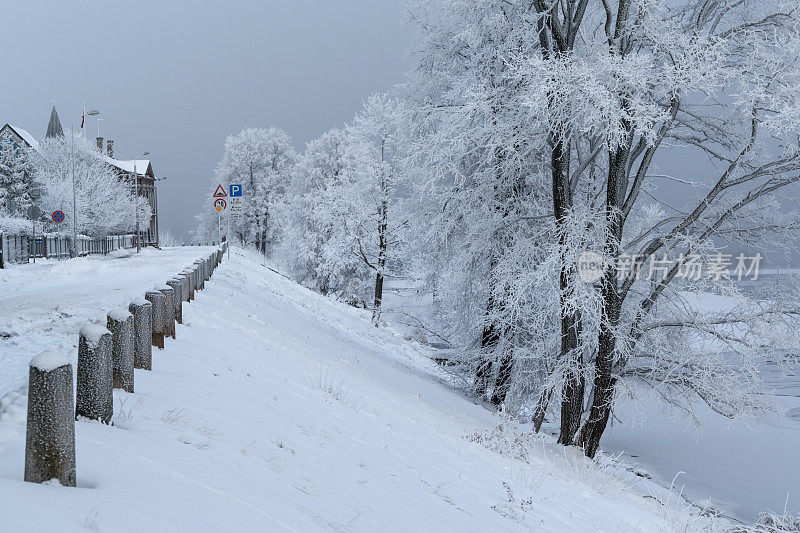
(589, 95)
(105, 201)
(263, 162)
(529, 136)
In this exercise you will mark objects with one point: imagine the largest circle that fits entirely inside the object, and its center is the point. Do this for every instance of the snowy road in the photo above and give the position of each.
(277, 409)
(44, 305)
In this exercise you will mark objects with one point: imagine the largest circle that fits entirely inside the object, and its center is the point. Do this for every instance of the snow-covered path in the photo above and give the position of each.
(44, 305)
(279, 410)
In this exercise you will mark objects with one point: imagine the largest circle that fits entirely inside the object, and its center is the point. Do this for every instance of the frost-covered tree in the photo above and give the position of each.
(360, 205)
(319, 168)
(18, 189)
(263, 161)
(105, 203)
(580, 99)
(481, 188)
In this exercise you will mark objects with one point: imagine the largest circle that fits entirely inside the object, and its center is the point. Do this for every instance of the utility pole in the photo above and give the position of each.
(92, 113)
(136, 200)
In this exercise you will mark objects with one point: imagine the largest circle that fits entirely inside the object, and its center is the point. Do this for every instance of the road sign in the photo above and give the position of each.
(58, 217)
(33, 212)
(220, 192)
(220, 205)
(236, 190)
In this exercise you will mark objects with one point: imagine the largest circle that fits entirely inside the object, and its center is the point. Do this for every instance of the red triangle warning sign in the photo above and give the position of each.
(220, 192)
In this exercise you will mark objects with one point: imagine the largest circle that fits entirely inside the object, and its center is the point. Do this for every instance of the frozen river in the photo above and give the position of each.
(743, 468)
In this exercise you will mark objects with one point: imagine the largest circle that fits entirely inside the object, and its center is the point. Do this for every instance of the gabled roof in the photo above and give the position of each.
(54, 126)
(26, 137)
(143, 167)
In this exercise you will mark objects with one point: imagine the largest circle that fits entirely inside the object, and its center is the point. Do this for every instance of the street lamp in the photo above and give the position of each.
(155, 208)
(136, 201)
(92, 113)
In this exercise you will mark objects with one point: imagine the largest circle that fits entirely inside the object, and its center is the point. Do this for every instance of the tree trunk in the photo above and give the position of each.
(503, 381)
(604, 381)
(573, 385)
(541, 409)
(383, 226)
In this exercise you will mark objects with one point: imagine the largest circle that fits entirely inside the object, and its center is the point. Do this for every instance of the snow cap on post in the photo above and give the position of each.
(47, 361)
(50, 431)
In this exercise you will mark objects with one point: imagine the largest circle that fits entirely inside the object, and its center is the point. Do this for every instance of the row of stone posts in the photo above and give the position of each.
(107, 356)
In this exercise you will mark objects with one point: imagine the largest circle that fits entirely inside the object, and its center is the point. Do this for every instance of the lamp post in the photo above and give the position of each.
(155, 205)
(92, 113)
(136, 201)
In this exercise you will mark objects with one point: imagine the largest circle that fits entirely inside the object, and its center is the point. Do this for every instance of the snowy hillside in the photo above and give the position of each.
(277, 409)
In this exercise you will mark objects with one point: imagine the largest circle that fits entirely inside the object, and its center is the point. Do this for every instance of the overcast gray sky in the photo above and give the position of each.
(176, 77)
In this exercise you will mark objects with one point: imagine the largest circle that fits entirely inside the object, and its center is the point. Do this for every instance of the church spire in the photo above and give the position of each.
(54, 126)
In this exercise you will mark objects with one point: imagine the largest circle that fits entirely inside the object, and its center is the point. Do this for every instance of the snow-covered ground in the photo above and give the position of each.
(44, 304)
(277, 409)
(738, 468)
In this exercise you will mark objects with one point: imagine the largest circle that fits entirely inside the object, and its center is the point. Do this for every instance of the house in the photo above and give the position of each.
(146, 186)
(20, 137)
(123, 168)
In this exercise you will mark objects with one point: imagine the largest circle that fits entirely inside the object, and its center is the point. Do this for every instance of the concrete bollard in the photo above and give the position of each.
(188, 275)
(177, 288)
(158, 301)
(120, 324)
(50, 434)
(142, 312)
(195, 281)
(95, 397)
(185, 286)
(192, 281)
(201, 279)
(169, 314)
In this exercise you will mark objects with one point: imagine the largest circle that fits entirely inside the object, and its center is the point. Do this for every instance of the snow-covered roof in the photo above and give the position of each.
(25, 136)
(127, 166)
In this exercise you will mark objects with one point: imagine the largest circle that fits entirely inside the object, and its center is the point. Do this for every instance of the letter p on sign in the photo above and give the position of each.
(235, 190)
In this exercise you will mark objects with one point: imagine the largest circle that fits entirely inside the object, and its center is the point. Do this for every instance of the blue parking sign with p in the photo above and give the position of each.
(235, 190)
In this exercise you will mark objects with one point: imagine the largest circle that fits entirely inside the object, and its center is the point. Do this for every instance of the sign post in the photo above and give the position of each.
(33, 213)
(220, 205)
(236, 192)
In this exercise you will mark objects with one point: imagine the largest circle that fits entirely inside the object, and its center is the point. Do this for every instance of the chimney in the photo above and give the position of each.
(100, 144)
(110, 148)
